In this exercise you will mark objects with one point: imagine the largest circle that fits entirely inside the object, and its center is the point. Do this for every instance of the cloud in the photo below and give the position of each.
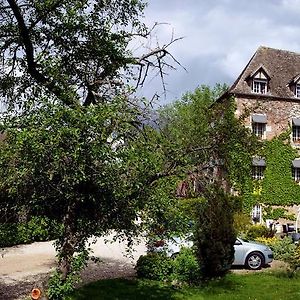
(221, 36)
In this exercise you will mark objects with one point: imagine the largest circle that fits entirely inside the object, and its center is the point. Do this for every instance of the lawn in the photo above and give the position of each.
(254, 286)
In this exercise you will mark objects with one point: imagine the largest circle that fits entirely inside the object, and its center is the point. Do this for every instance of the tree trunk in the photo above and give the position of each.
(68, 242)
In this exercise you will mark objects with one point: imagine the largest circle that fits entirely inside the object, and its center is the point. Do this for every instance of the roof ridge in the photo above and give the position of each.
(261, 47)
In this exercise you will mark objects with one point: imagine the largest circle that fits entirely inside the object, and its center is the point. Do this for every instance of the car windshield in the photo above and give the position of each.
(244, 240)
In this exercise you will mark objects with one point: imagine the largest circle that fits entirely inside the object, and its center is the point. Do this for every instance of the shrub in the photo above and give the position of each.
(283, 249)
(256, 231)
(36, 229)
(155, 266)
(185, 266)
(294, 260)
(215, 234)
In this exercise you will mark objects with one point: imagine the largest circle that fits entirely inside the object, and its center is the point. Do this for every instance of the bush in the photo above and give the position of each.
(155, 266)
(294, 260)
(283, 249)
(215, 235)
(185, 266)
(256, 231)
(37, 229)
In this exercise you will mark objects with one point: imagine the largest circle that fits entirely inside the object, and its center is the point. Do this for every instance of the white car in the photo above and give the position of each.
(250, 254)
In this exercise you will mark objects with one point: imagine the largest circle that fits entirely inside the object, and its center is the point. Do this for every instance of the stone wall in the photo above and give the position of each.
(279, 113)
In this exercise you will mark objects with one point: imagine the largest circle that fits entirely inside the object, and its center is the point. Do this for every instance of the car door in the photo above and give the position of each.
(239, 253)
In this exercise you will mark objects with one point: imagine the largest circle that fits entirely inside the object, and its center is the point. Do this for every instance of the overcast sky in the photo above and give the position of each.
(220, 36)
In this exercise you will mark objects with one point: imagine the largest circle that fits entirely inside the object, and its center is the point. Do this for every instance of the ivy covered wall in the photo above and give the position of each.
(278, 187)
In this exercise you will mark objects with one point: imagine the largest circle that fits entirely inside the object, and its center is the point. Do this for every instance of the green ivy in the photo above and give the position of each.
(278, 187)
(277, 213)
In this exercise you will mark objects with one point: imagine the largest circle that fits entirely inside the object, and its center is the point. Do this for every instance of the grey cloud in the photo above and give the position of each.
(220, 36)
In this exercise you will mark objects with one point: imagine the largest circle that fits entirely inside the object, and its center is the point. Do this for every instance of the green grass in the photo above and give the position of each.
(255, 286)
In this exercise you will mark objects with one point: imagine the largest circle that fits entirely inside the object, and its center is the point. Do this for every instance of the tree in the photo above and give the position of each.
(215, 150)
(77, 148)
(75, 52)
(89, 169)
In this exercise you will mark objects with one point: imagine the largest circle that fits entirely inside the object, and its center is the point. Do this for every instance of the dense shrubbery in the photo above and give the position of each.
(186, 267)
(257, 231)
(36, 229)
(283, 249)
(215, 234)
(157, 266)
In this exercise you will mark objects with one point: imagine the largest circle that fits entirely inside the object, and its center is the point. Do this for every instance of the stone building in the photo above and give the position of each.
(267, 96)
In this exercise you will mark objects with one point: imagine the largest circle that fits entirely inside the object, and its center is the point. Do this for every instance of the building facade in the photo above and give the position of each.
(267, 97)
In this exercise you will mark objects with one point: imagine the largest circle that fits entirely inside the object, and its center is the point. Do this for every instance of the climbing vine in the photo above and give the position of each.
(278, 187)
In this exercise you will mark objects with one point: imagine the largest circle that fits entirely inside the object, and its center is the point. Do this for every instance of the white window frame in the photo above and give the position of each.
(296, 174)
(259, 129)
(258, 172)
(297, 90)
(256, 213)
(296, 134)
(259, 86)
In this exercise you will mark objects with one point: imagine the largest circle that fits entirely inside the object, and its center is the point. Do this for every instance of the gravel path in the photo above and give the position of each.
(27, 266)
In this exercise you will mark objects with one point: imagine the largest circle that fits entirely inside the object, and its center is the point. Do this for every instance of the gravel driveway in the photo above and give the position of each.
(26, 266)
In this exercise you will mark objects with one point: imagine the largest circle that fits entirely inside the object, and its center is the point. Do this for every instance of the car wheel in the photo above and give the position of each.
(255, 261)
(174, 255)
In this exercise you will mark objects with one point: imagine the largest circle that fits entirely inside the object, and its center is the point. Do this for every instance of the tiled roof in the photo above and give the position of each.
(280, 65)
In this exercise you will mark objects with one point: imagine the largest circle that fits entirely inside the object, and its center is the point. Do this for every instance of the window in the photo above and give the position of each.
(296, 134)
(297, 91)
(259, 129)
(296, 174)
(259, 86)
(258, 172)
(256, 213)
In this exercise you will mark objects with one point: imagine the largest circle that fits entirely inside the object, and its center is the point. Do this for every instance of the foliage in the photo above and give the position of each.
(216, 149)
(186, 267)
(36, 229)
(77, 147)
(256, 231)
(277, 187)
(241, 222)
(276, 213)
(283, 249)
(92, 170)
(73, 51)
(155, 266)
(215, 234)
(58, 288)
(294, 260)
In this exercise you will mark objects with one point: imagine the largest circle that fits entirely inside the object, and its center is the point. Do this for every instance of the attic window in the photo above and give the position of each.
(297, 90)
(259, 82)
(259, 86)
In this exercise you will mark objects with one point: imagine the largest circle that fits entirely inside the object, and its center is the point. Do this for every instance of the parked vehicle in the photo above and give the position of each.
(250, 254)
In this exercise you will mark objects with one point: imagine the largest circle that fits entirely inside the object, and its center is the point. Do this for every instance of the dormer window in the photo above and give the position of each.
(297, 90)
(259, 81)
(294, 86)
(259, 86)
